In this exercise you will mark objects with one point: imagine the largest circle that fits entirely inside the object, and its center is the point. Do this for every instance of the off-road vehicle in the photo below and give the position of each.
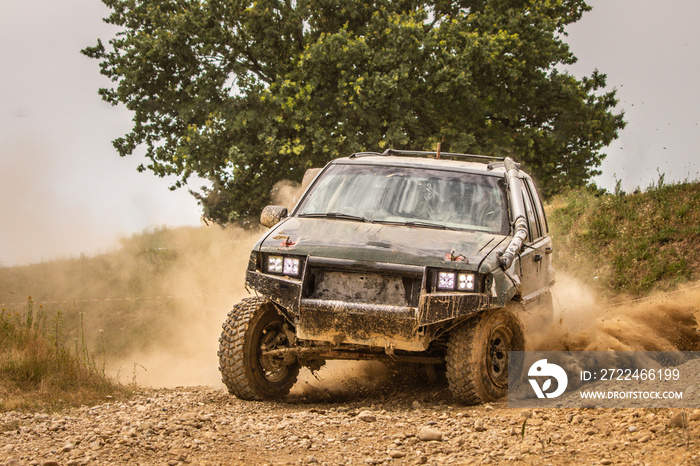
(406, 257)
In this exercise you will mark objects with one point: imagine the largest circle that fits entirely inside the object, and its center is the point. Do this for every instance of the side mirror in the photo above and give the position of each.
(272, 215)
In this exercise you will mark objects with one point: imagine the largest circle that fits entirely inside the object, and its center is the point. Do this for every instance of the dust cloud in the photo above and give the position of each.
(200, 274)
(56, 206)
(207, 274)
(665, 322)
(338, 379)
(32, 205)
(286, 193)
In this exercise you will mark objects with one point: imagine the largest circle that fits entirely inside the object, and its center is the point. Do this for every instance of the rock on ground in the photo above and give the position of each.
(206, 426)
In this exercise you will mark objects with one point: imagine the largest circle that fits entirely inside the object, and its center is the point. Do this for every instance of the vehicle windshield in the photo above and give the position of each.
(411, 196)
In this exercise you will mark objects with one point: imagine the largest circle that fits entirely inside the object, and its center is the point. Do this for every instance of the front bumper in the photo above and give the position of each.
(373, 304)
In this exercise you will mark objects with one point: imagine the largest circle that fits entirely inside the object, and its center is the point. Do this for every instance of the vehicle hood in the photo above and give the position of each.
(374, 242)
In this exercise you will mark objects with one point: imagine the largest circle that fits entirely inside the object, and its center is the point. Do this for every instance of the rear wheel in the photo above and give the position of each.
(253, 326)
(477, 356)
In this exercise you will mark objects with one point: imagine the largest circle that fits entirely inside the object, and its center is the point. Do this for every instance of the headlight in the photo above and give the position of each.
(450, 281)
(283, 265)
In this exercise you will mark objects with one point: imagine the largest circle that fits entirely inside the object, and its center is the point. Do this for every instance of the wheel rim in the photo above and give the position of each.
(272, 368)
(497, 356)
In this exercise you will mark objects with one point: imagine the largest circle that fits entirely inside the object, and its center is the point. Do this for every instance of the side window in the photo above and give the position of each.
(532, 223)
(538, 207)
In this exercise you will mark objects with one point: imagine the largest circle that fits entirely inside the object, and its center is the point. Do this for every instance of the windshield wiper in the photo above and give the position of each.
(426, 225)
(416, 223)
(335, 215)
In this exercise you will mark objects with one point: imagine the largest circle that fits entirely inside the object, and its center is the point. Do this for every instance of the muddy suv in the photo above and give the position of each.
(404, 257)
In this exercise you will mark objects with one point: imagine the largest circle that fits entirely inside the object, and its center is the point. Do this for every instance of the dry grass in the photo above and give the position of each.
(38, 372)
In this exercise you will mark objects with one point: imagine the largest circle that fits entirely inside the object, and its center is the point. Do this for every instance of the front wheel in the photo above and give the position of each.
(477, 356)
(253, 326)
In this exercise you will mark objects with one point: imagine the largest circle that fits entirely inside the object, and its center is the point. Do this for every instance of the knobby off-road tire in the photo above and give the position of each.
(252, 323)
(477, 356)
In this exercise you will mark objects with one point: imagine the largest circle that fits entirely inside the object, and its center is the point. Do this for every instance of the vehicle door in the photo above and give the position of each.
(536, 258)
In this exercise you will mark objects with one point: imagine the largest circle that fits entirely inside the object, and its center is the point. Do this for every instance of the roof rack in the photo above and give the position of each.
(364, 154)
(440, 154)
(389, 152)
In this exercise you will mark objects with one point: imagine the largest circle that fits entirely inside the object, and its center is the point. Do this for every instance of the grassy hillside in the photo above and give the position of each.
(629, 243)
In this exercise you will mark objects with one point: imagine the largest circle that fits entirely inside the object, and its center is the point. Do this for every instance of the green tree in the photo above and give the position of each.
(246, 93)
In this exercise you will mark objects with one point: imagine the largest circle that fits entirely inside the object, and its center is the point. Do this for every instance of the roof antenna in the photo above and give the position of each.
(437, 155)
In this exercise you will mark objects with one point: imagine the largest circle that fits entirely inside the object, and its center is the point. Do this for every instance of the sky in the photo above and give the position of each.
(650, 52)
(64, 190)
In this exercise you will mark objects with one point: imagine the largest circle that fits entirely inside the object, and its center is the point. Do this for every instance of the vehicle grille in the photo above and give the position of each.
(363, 287)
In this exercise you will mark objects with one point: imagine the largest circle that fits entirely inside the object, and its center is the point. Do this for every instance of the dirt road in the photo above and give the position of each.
(390, 423)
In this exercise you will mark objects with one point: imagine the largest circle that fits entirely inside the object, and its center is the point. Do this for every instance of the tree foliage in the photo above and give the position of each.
(246, 93)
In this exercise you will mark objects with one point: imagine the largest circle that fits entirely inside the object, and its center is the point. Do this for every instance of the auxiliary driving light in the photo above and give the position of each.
(465, 282)
(284, 265)
(446, 281)
(274, 264)
(291, 266)
(450, 281)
